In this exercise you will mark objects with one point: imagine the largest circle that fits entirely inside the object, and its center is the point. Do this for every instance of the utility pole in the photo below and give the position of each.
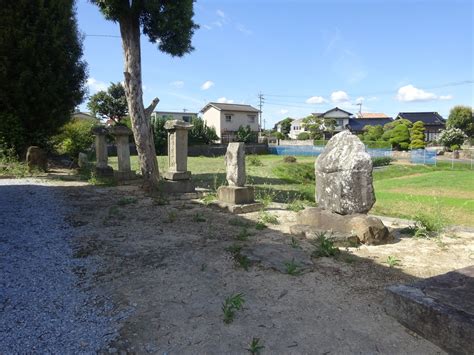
(260, 105)
(360, 109)
(185, 110)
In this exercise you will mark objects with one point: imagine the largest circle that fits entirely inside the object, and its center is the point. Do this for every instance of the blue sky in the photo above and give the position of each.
(304, 56)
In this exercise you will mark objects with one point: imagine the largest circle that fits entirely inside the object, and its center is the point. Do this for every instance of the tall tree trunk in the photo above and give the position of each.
(140, 117)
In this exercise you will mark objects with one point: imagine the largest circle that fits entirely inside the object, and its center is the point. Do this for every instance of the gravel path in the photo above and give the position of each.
(44, 307)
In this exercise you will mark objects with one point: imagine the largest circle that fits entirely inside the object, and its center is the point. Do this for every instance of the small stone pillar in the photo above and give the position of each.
(237, 193)
(121, 134)
(102, 168)
(178, 178)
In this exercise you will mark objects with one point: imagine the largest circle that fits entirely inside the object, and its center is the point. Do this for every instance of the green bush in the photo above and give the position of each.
(303, 136)
(246, 135)
(289, 159)
(381, 161)
(75, 137)
(254, 160)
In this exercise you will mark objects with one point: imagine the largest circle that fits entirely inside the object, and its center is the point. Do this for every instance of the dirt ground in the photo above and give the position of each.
(166, 262)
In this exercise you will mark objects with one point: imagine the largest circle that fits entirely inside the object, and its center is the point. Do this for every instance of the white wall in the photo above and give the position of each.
(212, 117)
(238, 119)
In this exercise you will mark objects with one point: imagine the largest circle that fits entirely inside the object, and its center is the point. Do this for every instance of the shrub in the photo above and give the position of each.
(381, 161)
(289, 159)
(451, 136)
(303, 136)
(75, 137)
(246, 135)
(254, 160)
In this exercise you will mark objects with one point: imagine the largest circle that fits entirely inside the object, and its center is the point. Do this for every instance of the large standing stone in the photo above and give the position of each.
(36, 158)
(235, 162)
(344, 176)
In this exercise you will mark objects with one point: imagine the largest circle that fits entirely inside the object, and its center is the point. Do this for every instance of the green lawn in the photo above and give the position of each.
(401, 190)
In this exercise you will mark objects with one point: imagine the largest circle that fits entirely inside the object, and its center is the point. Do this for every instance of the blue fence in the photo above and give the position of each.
(423, 156)
(308, 150)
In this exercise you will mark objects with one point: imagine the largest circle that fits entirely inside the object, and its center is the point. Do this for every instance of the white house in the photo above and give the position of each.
(227, 118)
(340, 116)
(185, 116)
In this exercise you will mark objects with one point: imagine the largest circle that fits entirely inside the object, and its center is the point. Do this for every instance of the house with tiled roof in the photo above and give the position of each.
(340, 116)
(227, 118)
(433, 122)
(371, 115)
(356, 125)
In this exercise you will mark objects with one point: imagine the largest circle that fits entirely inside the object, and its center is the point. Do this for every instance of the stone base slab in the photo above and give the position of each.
(177, 175)
(339, 239)
(238, 209)
(236, 195)
(104, 172)
(439, 308)
(368, 229)
(179, 186)
(125, 175)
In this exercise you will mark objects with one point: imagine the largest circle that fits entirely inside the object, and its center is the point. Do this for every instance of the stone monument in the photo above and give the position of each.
(344, 193)
(36, 159)
(102, 168)
(121, 134)
(237, 197)
(178, 178)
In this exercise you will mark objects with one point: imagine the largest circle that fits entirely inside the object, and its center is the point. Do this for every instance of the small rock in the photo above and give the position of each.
(36, 159)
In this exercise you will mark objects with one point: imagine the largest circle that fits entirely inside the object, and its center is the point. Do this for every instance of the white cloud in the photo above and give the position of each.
(409, 93)
(95, 85)
(283, 111)
(207, 27)
(220, 13)
(207, 85)
(218, 23)
(243, 29)
(178, 84)
(360, 99)
(224, 100)
(316, 100)
(339, 96)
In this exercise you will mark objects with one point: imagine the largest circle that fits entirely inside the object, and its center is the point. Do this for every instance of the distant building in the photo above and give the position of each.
(340, 116)
(277, 126)
(185, 116)
(83, 115)
(227, 118)
(371, 115)
(433, 122)
(356, 125)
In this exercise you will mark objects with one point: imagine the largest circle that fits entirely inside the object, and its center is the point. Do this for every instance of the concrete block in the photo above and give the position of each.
(177, 175)
(179, 186)
(236, 195)
(440, 308)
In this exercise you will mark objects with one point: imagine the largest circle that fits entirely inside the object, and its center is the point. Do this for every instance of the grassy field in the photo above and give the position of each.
(401, 190)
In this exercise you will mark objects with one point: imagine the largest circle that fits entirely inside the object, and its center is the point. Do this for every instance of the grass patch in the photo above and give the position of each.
(232, 304)
(255, 347)
(392, 261)
(324, 247)
(267, 218)
(292, 268)
(295, 206)
(239, 259)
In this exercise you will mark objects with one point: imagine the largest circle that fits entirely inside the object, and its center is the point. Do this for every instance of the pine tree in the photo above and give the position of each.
(417, 135)
(42, 75)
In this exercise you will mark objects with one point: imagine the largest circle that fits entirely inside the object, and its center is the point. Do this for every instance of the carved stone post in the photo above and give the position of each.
(101, 167)
(178, 176)
(121, 134)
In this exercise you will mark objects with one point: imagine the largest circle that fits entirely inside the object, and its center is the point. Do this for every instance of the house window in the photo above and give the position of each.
(187, 118)
(251, 118)
(228, 118)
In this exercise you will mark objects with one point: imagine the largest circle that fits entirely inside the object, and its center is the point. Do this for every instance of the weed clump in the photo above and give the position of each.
(255, 348)
(254, 160)
(324, 246)
(232, 304)
(267, 218)
(289, 159)
(239, 259)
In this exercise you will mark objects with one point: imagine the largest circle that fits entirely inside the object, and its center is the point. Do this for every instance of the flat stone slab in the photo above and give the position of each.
(177, 175)
(236, 195)
(339, 239)
(178, 186)
(276, 256)
(238, 209)
(440, 308)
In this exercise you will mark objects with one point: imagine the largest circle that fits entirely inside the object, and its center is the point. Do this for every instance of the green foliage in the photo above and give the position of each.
(126, 201)
(289, 159)
(267, 218)
(461, 117)
(324, 246)
(417, 135)
(201, 133)
(295, 206)
(432, 223)
(314, 125)
(398, 134)
(299, 173)
(239, 259)
(279, 135)
(232, 304)
(260, 226)
(243, 235)
(198, 217)
(168, 23)
(294, 243)
(451, 136)
(246, 135)
(303, 136)
(110, 104)
(392, 261)
(10, 164)
(372, 133)
(255, 348)
(381, 161)
(160, 136)
(292, 268)
(207, 199)
(75, 137)
(254, 160)
(42, 75)
(286, 126)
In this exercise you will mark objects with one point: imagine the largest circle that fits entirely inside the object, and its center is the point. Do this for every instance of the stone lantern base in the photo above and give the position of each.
(106, 172)
(237, 199)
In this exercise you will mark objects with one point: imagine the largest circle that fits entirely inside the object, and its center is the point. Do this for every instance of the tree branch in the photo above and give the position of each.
(149, 109)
